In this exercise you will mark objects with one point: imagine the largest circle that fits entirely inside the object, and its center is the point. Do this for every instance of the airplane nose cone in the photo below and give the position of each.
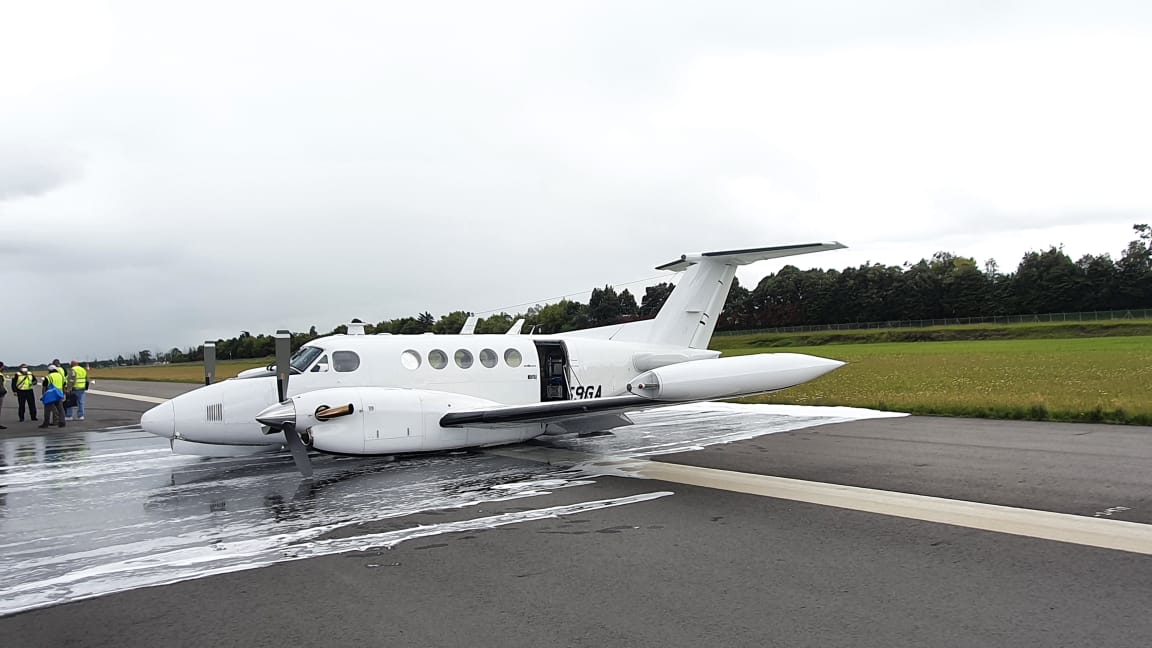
(160, 420)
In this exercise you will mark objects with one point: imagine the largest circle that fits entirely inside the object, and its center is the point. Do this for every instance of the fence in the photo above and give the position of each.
(1090, 316)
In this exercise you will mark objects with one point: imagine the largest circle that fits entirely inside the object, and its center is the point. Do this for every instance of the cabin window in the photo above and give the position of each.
(410, 359)
(463, 358)
(321, 365)
(488, 358)
(345, 361)
(513, 358)
(438, 359)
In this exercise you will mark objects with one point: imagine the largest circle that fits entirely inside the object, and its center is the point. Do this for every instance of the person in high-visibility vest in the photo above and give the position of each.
(55, 409)
(60, 369)
(3, 390)
(23, 384)
(78, 384)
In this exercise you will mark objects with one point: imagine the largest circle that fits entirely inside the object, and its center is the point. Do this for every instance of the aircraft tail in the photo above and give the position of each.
(689, 316)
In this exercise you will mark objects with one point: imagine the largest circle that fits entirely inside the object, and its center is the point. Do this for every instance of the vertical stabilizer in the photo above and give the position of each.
(689, 316)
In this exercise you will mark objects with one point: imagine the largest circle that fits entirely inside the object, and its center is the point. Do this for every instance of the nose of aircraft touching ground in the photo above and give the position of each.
(160, 420)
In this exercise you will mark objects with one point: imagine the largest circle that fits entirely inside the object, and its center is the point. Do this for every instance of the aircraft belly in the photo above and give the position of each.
(181, 446)
(225, 433)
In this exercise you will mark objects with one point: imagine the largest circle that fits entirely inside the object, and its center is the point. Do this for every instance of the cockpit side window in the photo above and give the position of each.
(344, 361)
(321, 365)
(304, 357)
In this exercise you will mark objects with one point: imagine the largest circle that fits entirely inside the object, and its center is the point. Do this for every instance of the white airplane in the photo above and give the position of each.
(359, 394)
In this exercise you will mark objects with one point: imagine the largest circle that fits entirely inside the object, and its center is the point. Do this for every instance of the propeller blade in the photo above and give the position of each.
(299, 450)
(282, 417)
(283, 357)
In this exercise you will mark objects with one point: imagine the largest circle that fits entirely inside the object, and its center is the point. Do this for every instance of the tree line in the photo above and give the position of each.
(944, 286)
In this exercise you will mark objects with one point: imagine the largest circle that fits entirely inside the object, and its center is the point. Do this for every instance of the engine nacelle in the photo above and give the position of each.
(382, 420)
(729, 377)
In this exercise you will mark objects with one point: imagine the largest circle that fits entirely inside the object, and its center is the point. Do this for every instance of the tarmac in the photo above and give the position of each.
(570, 544)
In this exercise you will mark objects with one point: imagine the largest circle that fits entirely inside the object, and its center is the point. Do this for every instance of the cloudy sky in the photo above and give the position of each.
(175, 171)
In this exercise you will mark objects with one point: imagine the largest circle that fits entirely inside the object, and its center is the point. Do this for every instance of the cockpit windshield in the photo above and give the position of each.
(304, 357)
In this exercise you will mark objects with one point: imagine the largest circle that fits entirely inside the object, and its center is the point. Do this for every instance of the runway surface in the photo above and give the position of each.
(505, 548)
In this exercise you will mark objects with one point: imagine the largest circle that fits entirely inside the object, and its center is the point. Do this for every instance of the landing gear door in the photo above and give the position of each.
(554, 383)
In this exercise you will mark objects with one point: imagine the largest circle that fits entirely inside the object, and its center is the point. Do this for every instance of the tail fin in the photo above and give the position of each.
(689, 316)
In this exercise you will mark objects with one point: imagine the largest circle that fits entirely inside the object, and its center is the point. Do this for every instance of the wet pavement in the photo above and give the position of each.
(569, 554)
(85, 512)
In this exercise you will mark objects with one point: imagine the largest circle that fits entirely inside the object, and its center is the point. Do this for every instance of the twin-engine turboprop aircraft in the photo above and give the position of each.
(389, 394)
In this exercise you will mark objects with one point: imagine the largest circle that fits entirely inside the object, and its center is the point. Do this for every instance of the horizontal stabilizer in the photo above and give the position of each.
(689, 315)
(750, 255)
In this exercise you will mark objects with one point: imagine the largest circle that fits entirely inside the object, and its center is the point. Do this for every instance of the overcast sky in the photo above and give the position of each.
(176, 171)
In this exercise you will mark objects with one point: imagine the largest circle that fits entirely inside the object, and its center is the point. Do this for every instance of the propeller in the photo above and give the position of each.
(283, 416)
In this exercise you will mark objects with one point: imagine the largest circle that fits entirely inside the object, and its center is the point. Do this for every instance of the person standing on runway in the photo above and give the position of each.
(3, 391)
(78, 385)
(55, 409)
(24, 384)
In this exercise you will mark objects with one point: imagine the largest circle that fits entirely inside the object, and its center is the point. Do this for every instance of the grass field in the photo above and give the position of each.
(1037, 331)
(1063, 379)
(1080, 379)
(184, 372)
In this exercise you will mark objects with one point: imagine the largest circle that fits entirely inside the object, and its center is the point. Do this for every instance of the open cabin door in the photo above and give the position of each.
(553, 370)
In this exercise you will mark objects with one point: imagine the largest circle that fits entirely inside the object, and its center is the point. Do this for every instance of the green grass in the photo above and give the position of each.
(1039, 331)
(1107, 379)
(185, 372)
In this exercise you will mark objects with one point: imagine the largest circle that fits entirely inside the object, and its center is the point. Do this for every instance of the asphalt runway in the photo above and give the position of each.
(537, 545)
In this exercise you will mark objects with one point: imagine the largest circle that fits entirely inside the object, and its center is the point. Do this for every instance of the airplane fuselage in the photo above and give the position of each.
(456, 370)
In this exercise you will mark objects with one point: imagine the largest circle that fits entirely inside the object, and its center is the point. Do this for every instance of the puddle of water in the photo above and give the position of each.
(89, 513)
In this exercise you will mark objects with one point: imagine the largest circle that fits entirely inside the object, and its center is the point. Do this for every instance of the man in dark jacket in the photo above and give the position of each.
(24, 383)
(55, 409)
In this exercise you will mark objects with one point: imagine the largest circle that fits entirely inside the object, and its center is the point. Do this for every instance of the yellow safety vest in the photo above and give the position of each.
(81, 381)
(55, 379)
(25, 381)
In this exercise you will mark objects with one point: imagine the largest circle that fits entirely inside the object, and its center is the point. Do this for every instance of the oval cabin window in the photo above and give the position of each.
(488, 358)
(410, 359)
(438, 359)
(463, 358)
(512, 358)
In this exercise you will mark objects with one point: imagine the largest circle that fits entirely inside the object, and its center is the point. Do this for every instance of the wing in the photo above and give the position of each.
(584, 415)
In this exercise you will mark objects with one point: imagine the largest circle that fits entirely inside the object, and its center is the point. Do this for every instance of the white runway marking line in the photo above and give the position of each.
(135, 397)
(1046, 525)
